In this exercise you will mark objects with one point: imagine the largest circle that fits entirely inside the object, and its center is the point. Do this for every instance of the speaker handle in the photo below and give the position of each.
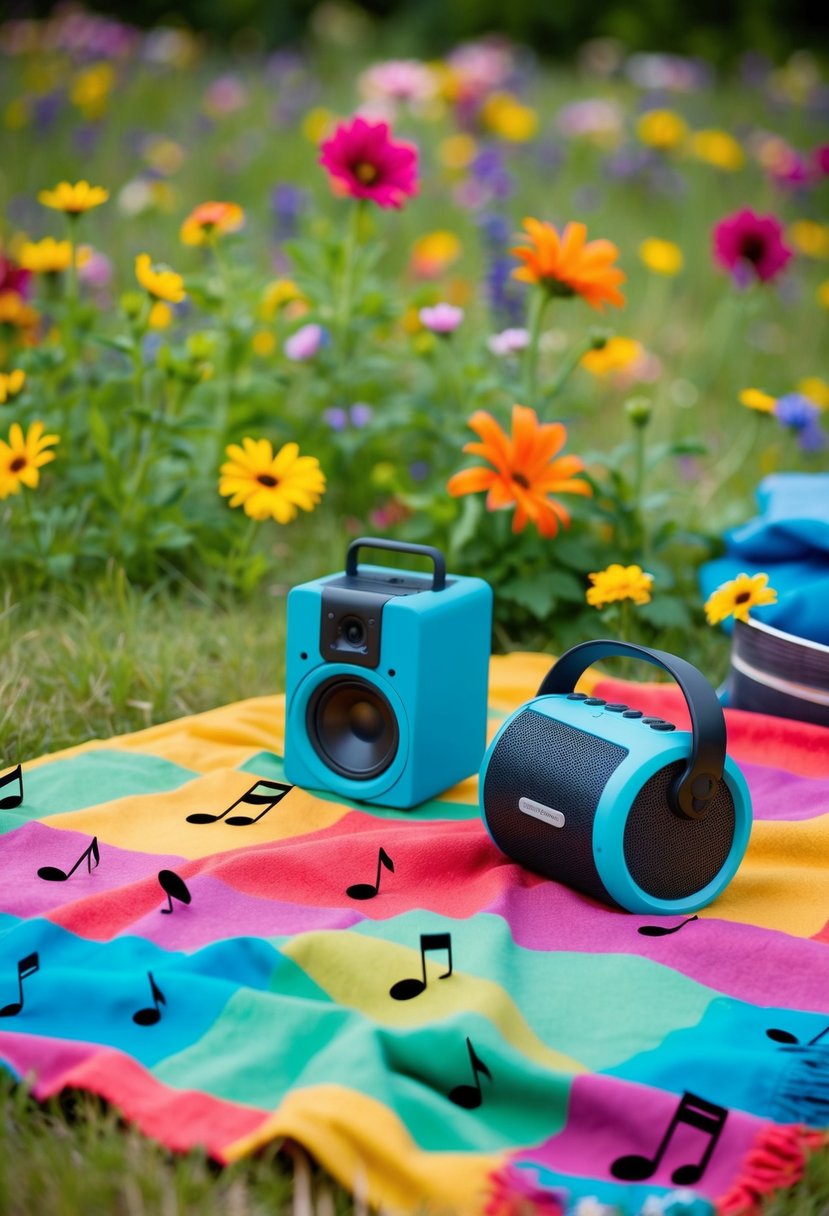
(692, 791)
(398, 546)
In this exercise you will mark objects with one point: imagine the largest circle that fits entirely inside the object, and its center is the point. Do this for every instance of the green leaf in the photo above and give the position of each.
(666, 612)
(122, 343)
(530, 593)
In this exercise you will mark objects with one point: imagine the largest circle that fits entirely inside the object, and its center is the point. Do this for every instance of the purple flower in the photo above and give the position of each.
(360, 414)
(442, 319)
(336, 418)
(305, 343)
(803, 417)
(288, 203)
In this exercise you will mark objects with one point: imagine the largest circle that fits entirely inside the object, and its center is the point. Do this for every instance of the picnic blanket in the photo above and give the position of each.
(547, 1052)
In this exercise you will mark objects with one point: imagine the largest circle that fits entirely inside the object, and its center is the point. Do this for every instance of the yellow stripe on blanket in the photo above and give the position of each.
(362, 1144)
(157, 823)
(321, 956)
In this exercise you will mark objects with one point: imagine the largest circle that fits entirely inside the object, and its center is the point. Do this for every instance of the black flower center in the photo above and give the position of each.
(17, 464)
(266, 479)
(521, 479)
(752, 249)
(366, 173)
(742, 598)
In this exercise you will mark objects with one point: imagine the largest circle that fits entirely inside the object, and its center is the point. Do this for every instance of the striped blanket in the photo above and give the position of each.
(230, 960)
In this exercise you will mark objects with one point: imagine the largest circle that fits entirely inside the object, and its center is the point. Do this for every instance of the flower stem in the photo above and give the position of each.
(72, 289)
(639, 489)
(530, 377)
(568, 365)
(352, 241)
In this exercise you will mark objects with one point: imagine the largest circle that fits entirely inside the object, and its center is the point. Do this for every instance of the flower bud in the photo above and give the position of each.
(638, 410)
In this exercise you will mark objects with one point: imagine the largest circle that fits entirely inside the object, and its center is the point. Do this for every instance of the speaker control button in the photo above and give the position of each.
(615, 707)
(652, 721)
(595, 701)
(662, 726)
(632, 713)
(577, 696)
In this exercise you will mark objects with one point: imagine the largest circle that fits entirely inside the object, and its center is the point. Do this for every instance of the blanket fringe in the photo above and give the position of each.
(776, 1162)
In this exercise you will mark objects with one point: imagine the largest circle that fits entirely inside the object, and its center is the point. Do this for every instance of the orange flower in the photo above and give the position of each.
(524, 470)
(211, 220)
(566, 266)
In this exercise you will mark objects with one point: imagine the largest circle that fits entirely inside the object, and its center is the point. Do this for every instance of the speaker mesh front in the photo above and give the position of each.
(560, 767)
(670, 857)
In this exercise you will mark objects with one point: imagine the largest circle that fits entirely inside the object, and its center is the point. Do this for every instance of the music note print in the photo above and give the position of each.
(661, 931)
(367, 890)
(26, 967)
(54, 874)
(406, 990)
(152, 1014)
(693, 1111)
(262, 793)
(174, 888)
(9, 801)
(791, 1040)
(470, 1097)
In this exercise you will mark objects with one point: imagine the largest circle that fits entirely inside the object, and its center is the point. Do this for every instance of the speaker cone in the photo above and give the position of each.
(352, 728)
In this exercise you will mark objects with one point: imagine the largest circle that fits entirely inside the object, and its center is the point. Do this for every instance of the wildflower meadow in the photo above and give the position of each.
(558, 322)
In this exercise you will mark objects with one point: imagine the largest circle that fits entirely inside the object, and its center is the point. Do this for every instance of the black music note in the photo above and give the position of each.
(786, 1036)
(53, 874)
(9, 801)
(365, 890)
(695, 1112)
(404, 990)
(252, 797)
(151, 1015)
(661, 931)
(470, 1096)
(26, 967)
(174, 888)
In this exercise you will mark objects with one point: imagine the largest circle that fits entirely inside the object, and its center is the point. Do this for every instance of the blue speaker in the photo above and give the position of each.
(617, 804)
(386, 679)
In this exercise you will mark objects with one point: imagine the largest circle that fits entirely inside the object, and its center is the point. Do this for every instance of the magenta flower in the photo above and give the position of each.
(364, 162)
(751, 246)
(442, 319)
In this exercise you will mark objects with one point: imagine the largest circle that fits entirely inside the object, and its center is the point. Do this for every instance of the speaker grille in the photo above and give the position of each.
(560, 767)
(670, 857)
(352, 727)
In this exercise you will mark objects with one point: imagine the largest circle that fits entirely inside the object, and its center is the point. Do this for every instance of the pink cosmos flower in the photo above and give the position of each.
(820, 160)
(305, 343)
(509, 342)
(750, 245)
(364, 162)
(442, 319)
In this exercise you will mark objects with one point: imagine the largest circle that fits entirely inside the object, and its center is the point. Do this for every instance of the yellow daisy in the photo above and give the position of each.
(619, 583)
(616, 354)
(756, 399)
(47, 256)
(161, 282)
(268, 485)
(74, 200)
(662, 257)
(736, 597)
(663, 129)
(23, 456)
(11, 384)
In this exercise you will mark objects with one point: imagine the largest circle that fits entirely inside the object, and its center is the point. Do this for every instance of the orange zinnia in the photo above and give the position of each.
(524, 470)
(566, 266)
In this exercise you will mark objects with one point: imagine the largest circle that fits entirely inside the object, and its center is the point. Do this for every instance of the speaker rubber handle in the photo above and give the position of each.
(693, 790)
(398, 546)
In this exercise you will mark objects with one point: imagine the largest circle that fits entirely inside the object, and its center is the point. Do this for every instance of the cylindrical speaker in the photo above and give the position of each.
(615, 803)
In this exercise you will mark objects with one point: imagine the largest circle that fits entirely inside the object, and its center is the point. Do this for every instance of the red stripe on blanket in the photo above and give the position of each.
(796, 747)
(179, 1119)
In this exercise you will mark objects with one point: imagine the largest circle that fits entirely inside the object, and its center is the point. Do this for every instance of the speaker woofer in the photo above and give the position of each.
(352, 728)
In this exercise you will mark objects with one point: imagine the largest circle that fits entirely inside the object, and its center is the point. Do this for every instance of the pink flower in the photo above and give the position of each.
(515, 1192)
(508, 342)
(820, 160)
(363, 162)
(750, 245)
(442, 319)
(305, 343)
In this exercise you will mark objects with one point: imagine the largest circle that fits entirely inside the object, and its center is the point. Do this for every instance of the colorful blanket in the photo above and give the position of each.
(229, 960)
